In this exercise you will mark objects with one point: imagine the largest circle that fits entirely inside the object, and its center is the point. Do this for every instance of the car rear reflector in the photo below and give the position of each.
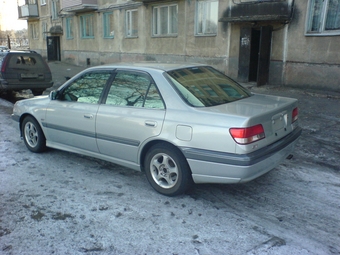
(247, 135)
(295, 114)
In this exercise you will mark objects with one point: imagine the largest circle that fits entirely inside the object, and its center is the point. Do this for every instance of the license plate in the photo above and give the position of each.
(29, 75)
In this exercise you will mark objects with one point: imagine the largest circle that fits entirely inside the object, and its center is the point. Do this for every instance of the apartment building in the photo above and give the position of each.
(285, 42)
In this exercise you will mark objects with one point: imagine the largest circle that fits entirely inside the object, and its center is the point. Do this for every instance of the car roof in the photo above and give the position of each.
(21, 51)
(163, 66)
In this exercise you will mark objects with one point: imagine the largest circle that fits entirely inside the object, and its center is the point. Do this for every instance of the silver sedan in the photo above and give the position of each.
(180, 124)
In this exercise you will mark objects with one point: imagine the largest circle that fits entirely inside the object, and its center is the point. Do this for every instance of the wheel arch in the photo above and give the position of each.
(148, 145)
(21, 119)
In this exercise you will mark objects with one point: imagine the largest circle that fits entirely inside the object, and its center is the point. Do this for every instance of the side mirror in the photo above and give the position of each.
(53, 95)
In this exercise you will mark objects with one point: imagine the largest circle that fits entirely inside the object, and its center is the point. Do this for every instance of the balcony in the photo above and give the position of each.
(79, 5)
(254, 11)
(28, 11)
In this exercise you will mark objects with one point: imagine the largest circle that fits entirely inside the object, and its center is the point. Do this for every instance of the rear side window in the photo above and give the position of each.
(134, 89)
(26, 61)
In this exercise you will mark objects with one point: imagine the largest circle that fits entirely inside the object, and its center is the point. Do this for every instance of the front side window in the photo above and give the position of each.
(86, 89)
(108, 25)
(204, 86)
(165, 20)
(86, 26)
(131, 23)
(134, 89)
(69, 28)
(323, 17)
(206, 18)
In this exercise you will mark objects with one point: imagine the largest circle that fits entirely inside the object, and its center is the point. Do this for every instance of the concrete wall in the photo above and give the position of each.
(312, 61)
(185, 47)
(296, 59)
(39, 44)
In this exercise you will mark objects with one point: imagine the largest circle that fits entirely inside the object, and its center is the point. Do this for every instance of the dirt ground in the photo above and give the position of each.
(63, 203)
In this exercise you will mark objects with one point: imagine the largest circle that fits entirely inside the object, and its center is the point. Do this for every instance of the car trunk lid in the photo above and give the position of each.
(277, 115)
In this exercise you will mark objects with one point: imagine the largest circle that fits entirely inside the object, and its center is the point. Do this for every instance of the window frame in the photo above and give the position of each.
(107, 26)
(84, 19)
(54, 10)
(34, 30)
(69, 28)
(115, 87)
(129, 24)
(44, 30)
(61, 94)
(321, 31)
(157, 21)
(204, 18)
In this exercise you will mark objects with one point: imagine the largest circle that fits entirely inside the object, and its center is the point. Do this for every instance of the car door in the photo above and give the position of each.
(70, 119)
(132, 112)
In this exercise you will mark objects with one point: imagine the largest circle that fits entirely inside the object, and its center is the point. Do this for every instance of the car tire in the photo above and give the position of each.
(33, 135)
(167, 170)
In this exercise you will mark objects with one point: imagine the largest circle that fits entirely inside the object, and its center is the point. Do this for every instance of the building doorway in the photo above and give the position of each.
(254, 56)
(53, 48)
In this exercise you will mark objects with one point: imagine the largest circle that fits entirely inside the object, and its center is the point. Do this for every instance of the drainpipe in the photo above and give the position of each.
(8, 42)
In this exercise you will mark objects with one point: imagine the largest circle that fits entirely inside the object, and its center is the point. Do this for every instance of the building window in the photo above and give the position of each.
(108, 25)
(86, 26)
(34, 30)
(44, 29)
(323, 17)
(131, 23)
(54, 10)
(43, 2)
(164, 20)
(206, 18)
(69, 28)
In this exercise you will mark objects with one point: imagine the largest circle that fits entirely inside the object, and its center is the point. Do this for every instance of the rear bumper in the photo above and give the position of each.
(4, 85)
(218, 167)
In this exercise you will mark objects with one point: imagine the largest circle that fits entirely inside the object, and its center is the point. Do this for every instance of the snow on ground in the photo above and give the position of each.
(63, 203)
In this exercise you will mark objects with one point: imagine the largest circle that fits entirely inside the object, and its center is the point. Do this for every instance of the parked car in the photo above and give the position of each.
(178, 123)
(21, 70)
(3, 48)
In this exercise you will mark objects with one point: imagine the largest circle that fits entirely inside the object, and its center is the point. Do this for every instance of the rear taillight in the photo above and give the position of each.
(295, 115)
(4, 64)
(247, 135)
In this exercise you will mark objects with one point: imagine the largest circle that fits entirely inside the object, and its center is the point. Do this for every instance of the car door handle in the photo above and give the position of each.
(88, 116)
(150, 123)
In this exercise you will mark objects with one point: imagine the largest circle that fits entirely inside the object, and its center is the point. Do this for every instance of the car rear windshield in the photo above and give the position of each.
(205, 86)
(25, 61)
